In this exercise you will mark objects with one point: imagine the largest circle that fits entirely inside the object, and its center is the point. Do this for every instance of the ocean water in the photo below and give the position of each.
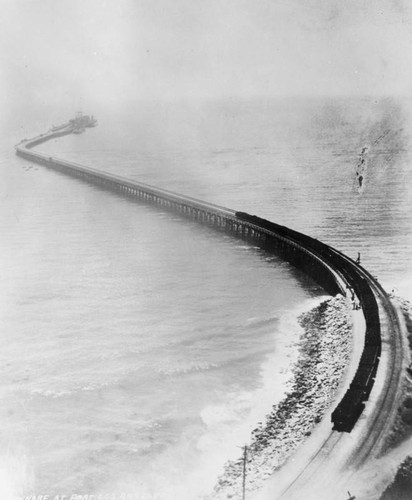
(138, 350)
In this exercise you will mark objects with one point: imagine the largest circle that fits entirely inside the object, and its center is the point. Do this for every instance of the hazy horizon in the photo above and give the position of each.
(77, 53)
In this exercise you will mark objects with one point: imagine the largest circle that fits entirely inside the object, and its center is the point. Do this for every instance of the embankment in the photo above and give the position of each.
(324, 351)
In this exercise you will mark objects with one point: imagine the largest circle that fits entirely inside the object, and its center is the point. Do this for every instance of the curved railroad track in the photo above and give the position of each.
(339, 456)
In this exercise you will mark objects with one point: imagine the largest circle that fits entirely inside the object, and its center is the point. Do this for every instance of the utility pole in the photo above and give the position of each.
(244, 472)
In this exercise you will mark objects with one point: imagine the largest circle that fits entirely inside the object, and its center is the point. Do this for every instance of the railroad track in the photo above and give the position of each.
(393, 338)
(379, 420)
(373, 429)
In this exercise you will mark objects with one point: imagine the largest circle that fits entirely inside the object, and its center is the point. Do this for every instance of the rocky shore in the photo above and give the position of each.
(324, 350)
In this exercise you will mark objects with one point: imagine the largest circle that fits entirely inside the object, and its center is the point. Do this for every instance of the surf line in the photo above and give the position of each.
(331, 269)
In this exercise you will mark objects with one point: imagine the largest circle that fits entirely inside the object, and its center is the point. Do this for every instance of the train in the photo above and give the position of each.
(309, 254)
(351, 406)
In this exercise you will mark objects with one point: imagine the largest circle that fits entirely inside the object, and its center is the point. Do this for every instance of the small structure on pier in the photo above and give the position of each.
(81, 121)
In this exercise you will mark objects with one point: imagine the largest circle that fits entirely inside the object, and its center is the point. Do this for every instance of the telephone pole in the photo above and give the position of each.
(244, 472)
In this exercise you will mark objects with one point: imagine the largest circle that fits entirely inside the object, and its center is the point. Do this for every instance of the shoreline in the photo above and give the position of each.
(324, 355)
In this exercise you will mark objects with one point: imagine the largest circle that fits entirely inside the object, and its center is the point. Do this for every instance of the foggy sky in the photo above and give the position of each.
(66, 52)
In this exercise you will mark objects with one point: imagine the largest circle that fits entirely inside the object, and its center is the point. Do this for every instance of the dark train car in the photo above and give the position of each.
(364, 380)
(296, 255)
(370, 355)
(347, 412)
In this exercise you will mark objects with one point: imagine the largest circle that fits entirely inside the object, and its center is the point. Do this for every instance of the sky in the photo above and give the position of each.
(69, 53)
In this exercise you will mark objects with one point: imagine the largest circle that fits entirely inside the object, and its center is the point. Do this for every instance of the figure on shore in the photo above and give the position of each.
(352, 293)
(358, 258)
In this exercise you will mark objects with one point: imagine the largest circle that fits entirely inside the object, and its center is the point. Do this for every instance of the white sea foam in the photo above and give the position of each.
(188, 368)
(306, 187)
(16, 475)
(189, 469)
(228, 426)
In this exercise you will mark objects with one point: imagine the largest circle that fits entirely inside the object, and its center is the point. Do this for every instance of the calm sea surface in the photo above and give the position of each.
(138, 350)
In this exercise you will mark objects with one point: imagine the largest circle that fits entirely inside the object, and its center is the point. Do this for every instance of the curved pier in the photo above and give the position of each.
(330, 268)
